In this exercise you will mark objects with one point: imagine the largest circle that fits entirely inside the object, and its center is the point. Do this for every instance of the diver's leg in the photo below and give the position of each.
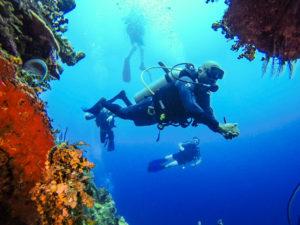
(138, 113)
(122, 95)
(95, 109)
(169, 157)
(142, 66)
(171, 164)
(114, 98)
(132, 50)
(122, 112)
(111, 143)
(102, 136)
(125, 99)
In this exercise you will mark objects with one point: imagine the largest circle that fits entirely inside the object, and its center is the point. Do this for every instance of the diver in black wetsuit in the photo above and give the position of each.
(188, 152)
(179, 101)
(105, 120)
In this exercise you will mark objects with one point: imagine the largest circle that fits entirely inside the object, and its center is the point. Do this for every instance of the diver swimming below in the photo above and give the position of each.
(188, 152)
(105, 120)
(135, 29)
(180, 98)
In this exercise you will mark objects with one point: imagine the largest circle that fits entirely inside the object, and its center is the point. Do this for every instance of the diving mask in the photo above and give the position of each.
(215, 73)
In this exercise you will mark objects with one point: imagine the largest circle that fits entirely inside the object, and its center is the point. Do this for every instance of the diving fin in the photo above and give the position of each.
(158, 161)
(155, 167)
(126, 70)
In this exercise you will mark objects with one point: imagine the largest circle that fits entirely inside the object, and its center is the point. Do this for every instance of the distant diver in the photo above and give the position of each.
(105, 120)
(180, 98)
(188, 152)
(135, 29)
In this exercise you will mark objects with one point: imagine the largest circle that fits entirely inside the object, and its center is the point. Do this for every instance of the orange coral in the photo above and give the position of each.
(62, 194)
(7, 69)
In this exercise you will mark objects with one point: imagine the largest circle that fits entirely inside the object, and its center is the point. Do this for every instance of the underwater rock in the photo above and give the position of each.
(66, 5)
(40, 29)
(68, 55)
(33, 29)
(270, 26)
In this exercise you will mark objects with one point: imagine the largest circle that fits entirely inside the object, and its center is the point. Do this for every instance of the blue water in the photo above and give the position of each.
(244, 181)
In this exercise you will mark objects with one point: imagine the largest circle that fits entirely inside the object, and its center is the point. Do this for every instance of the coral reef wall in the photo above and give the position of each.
(41, 182)
(271, 26)
(25, 139)
(103, 210)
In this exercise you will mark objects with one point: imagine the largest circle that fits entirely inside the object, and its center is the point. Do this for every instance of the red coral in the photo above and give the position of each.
(25, 139)
(25, 131)
(273, 26)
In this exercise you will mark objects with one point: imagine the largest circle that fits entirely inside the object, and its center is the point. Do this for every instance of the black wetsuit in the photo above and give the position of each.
(106, 132)
(190, 153)
(181, 100)
(135, 28)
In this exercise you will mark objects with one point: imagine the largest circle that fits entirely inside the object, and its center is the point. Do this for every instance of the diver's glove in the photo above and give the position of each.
(109, 119)
(89, 116)
(229, 130)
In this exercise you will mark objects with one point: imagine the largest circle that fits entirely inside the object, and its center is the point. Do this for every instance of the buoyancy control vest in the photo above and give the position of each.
(167, 102)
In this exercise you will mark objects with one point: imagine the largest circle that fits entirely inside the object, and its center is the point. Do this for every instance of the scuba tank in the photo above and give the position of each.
(155, 86)
(173, 74)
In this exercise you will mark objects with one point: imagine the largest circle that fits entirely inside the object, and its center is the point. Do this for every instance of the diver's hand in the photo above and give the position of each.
(229, 130)
(109, 119)
(89, 116)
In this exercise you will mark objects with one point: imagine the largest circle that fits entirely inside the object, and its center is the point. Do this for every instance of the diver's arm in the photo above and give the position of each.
(199, 160)
(180, 145)
(228, 130)
(204, 101)
(186, 92)
(89, 116)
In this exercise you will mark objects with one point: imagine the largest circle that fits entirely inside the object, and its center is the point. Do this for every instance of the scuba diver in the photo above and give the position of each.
(188, 152)
(105, 120)
(178, 99)
(135, 30)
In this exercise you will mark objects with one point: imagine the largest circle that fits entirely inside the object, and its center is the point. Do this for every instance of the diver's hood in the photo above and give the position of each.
(212, 69)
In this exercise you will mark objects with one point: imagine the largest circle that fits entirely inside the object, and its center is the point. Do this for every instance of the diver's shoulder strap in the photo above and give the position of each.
(189, 71)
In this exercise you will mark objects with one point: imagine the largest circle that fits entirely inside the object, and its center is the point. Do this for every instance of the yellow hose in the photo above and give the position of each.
(149, 68)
